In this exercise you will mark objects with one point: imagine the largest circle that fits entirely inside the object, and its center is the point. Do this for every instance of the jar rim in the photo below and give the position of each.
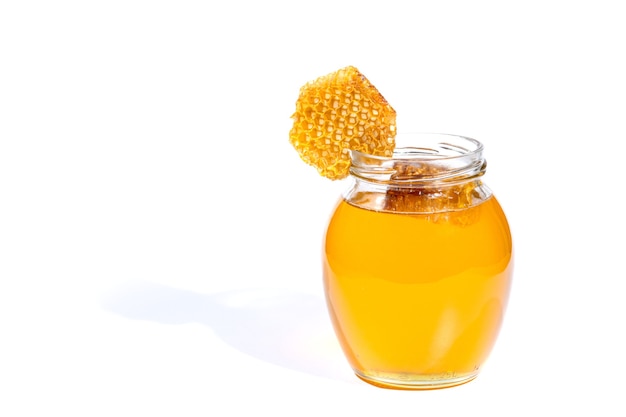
(415, 146)
(421, 158)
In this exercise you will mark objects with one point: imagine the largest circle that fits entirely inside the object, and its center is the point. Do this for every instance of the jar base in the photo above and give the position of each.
(404, 381)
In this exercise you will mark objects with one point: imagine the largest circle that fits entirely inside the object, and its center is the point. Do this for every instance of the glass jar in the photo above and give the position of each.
(418, 264)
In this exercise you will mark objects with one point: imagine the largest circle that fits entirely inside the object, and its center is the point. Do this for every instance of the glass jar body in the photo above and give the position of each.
(417, 275)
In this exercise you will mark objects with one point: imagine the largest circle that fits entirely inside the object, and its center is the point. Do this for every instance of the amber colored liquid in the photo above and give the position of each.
(417, 298)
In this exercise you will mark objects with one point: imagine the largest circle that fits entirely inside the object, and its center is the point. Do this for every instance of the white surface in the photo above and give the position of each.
(160, 240)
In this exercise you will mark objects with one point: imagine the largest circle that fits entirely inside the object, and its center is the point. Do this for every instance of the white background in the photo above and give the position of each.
(160, 239)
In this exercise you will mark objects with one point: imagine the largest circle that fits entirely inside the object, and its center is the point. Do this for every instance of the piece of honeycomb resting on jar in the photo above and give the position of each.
(339, 112)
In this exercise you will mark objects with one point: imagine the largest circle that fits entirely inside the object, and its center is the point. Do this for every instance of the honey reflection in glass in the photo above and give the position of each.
(417, 300)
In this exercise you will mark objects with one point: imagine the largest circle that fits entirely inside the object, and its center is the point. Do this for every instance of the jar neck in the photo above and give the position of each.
(427, 173)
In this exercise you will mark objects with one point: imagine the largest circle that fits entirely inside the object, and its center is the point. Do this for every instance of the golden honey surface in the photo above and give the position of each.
(415, 299)
(339, 112)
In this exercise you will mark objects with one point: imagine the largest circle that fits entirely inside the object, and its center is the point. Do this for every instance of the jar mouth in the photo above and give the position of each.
(423, 157)
(428, 146)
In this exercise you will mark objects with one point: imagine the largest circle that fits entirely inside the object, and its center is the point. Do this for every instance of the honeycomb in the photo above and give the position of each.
(339, 112)
(431, 197)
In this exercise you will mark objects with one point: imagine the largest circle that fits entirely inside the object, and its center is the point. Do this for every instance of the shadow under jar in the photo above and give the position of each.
(417, 263)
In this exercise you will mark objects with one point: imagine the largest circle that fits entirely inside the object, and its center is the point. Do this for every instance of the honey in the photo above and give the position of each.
(417, 267)
(417, 299)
